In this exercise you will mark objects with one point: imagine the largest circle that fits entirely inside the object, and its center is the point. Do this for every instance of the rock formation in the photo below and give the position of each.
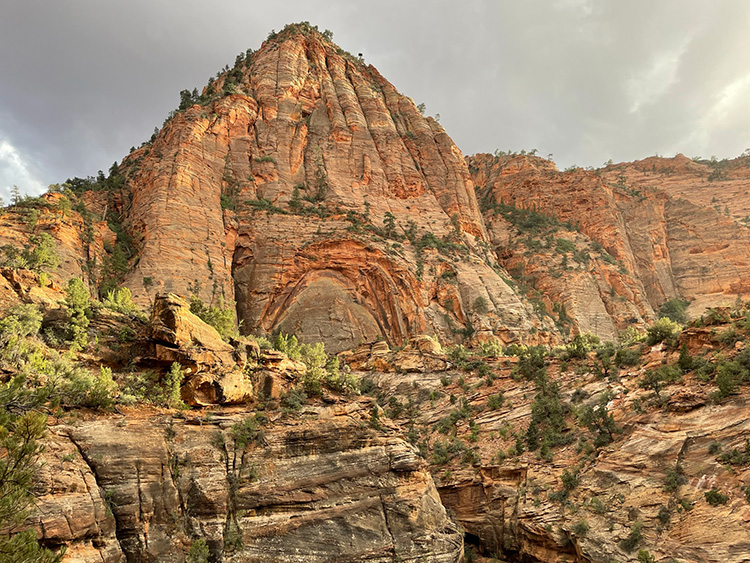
(302, 191)
(143, 488)
(642, 245)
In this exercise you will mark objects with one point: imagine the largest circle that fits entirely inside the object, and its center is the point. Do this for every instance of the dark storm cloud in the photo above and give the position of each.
(585, 80)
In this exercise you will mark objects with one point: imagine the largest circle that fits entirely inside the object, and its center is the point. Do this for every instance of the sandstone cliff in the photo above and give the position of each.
(303, 191)
(635, 247)
(670, 474)
(321, 200)
(143, 487)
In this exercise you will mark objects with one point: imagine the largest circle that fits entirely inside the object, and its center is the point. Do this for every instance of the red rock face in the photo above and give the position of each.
(314, 155)
(666, 246)
(320, 201)
(75, 247)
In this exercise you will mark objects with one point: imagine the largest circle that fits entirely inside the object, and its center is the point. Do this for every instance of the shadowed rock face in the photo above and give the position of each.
(312, 489)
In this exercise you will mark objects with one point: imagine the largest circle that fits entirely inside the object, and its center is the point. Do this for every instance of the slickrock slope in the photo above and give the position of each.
(657, 247)
(320, 199)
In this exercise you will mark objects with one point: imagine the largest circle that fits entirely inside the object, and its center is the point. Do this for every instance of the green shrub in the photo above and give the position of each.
(714, 497)
(664, 515)
(39, 254)
(339, 378)
(491, 348)
(480, 305)
(728, 337)
(570, 481)
(736, 456)
(599, 421)
(222, 317)
(685, 362)
(657, 379)
(86, 389)
(580, 345)
(121, 300)
(494, 402)
(78, 301)
(21, 436)
(627, 357)
(247, 431)
(634, 537)
(674, 309)
(21, 321)
(630, 336)
(321, 370)
(199, 552)
(715, 316)
(444, 452)
(675, 478)
(531, 363)
(547, 415)
(458, 354)
(581, 528)
(170, 395)
(563, 246)
(151, 387)
(597, 505)
(661, 330)
(294, 399)
(315, 359)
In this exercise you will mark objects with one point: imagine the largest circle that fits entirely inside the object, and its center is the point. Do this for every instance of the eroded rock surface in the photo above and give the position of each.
(310, 488)
(631, 246)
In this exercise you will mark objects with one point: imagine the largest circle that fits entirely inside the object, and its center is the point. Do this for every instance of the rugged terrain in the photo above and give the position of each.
(498, 383)
(301, 189)
(258, 471)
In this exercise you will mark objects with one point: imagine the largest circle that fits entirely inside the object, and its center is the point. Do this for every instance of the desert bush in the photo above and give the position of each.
(222, 317)
(674, 309)
(661, 330)
(121, 300)
(714, 497)
(633, 538)
(78, 301)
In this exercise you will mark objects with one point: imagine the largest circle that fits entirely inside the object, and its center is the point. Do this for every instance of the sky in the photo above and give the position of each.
(81, 81)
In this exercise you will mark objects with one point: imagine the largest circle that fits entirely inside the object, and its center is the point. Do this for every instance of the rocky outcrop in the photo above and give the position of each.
(211, 364)
(321, 200)
(577, 502)
(642, 246)
(305, 488)
(718, 184)
(78, 242)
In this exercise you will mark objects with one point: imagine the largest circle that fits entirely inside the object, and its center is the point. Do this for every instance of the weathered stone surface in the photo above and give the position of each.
(76, 246)
(213, 375)
(71, 509)
(421, 354)
(666, 247)
(308, 489)
(173, 324)
(330, 149)
(665, 454)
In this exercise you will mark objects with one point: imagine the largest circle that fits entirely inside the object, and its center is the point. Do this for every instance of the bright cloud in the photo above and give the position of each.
(15, 171)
